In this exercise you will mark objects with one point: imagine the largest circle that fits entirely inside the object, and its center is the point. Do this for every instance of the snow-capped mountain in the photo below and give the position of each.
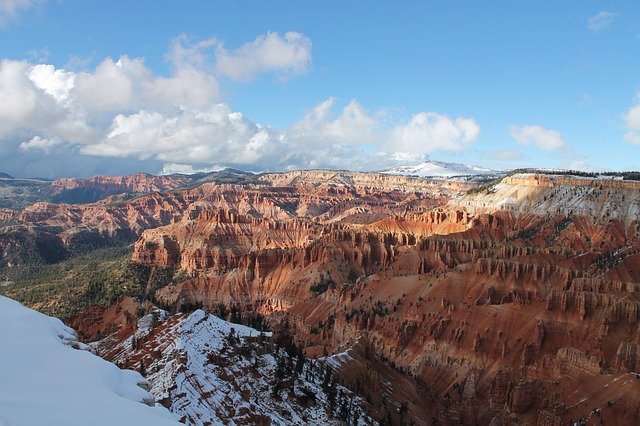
(48, 377)
(209, 371)
(431, 168)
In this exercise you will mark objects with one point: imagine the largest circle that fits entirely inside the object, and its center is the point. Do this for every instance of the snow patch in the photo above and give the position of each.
(47, 377)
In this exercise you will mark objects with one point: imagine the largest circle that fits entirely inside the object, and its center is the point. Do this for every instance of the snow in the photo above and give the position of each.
(48, 377)
(431, 168)
(338, 360)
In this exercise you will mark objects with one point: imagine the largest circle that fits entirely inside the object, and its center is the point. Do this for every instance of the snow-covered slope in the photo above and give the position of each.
(210, 371)
(430, 168)
(48, 378)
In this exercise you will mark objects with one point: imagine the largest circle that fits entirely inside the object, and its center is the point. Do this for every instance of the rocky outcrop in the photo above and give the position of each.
(627, 357)
(612, 309)
(575, 363)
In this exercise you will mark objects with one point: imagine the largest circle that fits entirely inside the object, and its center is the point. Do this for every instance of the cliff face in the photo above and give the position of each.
(516, 304)
(600, 199)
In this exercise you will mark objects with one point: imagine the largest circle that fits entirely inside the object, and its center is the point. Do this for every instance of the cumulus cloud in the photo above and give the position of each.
(123, 111)
(33, 102)
(217, 135)
(601, 20)
(427, 132)
(632, 120)
(38, 143)
(538, 136)
(54, 82)
(324, 137)
(352, 125)
(353, 133)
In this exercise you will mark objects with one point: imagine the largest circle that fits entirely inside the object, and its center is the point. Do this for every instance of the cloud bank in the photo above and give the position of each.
(121, 117)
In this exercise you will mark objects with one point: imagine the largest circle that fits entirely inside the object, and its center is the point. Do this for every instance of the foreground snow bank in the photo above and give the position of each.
(46, 378)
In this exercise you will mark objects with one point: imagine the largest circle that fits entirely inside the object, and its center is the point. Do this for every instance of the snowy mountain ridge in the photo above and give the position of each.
(440, 169)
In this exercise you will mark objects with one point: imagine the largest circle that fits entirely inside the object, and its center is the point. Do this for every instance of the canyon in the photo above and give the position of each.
(507, 301)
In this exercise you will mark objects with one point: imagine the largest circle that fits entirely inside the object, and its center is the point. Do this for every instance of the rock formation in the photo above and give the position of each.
(520, 301)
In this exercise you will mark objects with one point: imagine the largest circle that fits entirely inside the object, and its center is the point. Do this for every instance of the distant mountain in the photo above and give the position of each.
(431, 168)
(56, 380)
(19, 193)
(226, 175)
(5, 176)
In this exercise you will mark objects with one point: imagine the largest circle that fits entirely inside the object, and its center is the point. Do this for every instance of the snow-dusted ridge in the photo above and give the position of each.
(210, 371)
(48, 378)
(439, 169)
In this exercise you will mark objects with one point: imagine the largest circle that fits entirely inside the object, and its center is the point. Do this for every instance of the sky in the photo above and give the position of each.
(117, 87)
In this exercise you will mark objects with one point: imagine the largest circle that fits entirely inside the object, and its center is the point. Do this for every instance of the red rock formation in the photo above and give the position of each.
(518, 302)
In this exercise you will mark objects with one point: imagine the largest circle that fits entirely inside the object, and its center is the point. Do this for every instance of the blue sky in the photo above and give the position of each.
(279, 85)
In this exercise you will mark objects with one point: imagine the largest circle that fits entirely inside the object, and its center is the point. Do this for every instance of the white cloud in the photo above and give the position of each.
(41, 99)
(54, 117)
(217, 135)
(632, 120)
(9, 9)
(542, 138)
(33, 102)
(355, 138)
(601, 20)
(349, 138)
(38, 143)
(190, 53)
(56, 83)
(353, 125)
(285, 55)
(428, 132)
(112, 85)
(188, 88)
(18, 98)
